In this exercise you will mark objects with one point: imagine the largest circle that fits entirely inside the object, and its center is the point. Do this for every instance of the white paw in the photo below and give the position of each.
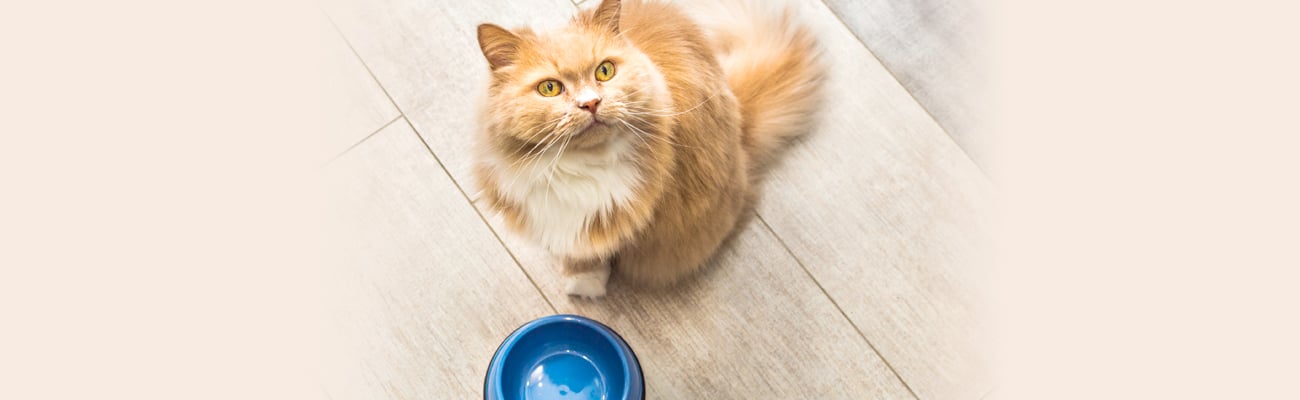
(587, 284)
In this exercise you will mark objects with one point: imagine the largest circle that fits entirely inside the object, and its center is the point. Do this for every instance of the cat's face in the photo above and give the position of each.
(582, 84)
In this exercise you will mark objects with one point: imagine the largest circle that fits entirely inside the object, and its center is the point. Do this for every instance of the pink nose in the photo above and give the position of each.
(590, 105)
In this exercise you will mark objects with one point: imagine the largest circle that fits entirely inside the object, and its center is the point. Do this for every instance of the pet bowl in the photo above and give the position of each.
(564, 357)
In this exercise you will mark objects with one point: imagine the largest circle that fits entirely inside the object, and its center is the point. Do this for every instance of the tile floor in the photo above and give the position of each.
(860, 278)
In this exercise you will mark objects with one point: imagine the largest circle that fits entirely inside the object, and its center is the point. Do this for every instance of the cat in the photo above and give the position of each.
(633, 137)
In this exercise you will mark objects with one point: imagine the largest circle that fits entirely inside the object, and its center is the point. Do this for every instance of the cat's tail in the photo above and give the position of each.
(773, 65)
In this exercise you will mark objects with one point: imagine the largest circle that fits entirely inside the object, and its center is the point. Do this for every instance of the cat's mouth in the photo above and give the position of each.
(591, 124)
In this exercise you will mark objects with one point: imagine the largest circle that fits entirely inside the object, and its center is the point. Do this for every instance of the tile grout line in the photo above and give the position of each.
(905, 90)
(942, 128)
(364, 139)
(837, 305)
(540, 292)
(402, 116)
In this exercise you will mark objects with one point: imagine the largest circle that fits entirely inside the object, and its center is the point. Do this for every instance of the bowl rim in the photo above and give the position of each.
(630, 364)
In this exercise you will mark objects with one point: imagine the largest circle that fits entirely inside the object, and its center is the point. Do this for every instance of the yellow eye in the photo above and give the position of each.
(550, 88)
(605, 71)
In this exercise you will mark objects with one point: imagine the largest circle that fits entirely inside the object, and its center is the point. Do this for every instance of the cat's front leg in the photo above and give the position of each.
(585, 277)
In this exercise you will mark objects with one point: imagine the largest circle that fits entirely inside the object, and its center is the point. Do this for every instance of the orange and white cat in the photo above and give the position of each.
(632, 137)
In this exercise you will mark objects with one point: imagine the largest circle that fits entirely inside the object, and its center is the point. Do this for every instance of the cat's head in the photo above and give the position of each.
(583, 83)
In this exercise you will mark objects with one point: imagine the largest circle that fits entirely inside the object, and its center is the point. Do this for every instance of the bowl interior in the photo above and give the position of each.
(564, 360)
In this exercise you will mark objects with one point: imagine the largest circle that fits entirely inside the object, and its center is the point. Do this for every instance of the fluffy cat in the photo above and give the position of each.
(633, 136)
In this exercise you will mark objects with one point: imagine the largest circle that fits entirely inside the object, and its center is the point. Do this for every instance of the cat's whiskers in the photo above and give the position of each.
(558, 153)
(640, 132)
(532, 148)
(554, 137)
(527, 136)
(638, 136)
(625, 108)
(635, 132)
(669, 113)
(550, 175)
(637, 90)
(565, 138)
(553, 125)
(556, 131)
(543, 125)
(530, 160)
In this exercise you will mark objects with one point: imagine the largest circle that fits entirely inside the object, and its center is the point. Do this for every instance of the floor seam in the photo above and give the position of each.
(894, 76)
(364, 139)
(836, 304)
(402, 116)
(483, 218)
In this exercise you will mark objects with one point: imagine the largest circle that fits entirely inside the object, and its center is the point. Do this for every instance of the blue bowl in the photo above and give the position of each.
(564, 357)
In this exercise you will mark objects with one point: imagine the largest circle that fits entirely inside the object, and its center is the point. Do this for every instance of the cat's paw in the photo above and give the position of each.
(589, 284)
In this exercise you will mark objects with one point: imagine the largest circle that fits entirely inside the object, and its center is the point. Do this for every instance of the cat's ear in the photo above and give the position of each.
(607, 15)
(500, 46)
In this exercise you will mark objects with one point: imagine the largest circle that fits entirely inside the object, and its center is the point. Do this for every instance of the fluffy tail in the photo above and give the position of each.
(773, 65)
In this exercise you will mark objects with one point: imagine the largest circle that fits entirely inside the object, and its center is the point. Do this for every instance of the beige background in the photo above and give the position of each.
(1150, 214)
(156, 226)
(155, 221)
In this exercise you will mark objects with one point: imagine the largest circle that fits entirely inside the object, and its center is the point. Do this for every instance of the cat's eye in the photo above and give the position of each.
(550, 88)
(605, 71)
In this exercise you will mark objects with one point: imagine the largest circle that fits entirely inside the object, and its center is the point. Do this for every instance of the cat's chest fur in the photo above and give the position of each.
(560, 194)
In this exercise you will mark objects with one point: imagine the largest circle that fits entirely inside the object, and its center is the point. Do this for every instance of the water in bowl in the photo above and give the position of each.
(565, 376)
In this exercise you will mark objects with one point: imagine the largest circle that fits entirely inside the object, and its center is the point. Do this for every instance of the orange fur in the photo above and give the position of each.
(661, 172)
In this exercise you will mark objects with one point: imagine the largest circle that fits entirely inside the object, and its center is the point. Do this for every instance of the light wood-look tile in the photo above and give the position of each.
(929, 45)
(752, 325)
(421, 292)
(355, 104)
(879, 203)
(426, 55)
(889, 215)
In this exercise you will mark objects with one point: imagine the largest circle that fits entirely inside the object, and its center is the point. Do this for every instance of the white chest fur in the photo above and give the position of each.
(562, 193)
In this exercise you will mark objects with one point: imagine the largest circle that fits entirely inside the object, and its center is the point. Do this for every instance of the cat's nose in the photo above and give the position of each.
(588, 100)
(590, 105)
